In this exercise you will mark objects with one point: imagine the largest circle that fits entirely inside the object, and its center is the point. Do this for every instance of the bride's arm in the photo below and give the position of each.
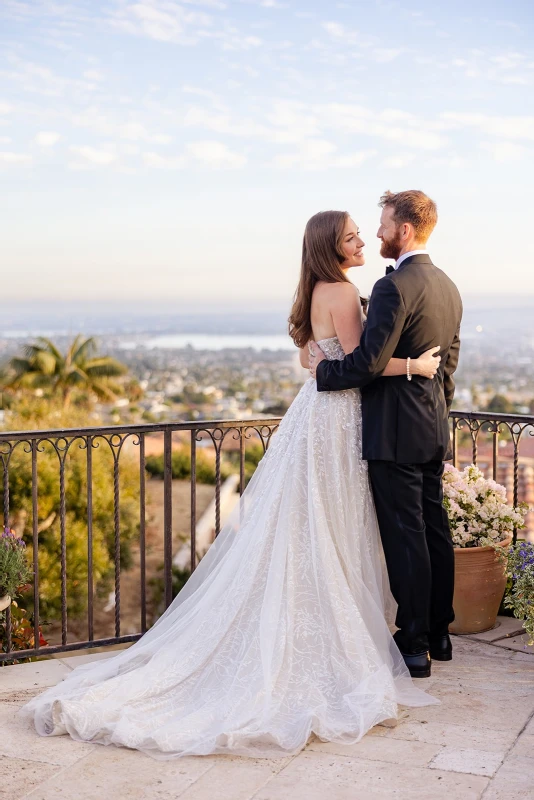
(426, 365)
(304, 357)
(347, 316)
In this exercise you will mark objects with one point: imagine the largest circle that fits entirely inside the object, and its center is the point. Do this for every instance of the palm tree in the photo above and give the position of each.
(44, 366)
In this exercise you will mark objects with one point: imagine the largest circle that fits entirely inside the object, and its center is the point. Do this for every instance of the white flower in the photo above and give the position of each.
(478, 510)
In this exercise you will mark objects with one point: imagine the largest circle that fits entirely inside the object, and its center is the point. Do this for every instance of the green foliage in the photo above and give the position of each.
(519, 562)
(14, 568)
(22, 632)
(181, 466)
(48, 489)
(77, 567)
(81, 369)
(278, 409)
(253, 455)
(192, 396)
(179, 579)
(500, 404)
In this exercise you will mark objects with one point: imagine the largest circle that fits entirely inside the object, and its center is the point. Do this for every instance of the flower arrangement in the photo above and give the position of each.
(14, 569)
(478, 511)
(519, 564)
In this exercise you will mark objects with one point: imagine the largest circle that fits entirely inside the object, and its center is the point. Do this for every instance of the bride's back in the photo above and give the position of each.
(320, 312)
(336, 311)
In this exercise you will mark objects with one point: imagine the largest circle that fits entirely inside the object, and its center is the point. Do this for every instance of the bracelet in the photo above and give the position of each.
(408, 373)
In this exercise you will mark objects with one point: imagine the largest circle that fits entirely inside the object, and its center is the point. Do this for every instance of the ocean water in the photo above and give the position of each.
(201, 341)
(485, 320)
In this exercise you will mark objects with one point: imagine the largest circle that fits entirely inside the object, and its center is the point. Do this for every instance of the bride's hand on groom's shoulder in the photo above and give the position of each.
(316, 356)
(427, 364)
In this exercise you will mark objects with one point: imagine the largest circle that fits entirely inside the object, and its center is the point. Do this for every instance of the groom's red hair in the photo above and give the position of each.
(414, 207)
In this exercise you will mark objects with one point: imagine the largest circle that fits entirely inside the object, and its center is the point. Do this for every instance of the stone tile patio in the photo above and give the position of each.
(478, 744)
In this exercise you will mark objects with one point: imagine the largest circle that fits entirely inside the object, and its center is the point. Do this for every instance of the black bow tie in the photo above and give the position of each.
(389, 270)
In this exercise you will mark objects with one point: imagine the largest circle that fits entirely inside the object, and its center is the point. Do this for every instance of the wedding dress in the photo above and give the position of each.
(279, 633)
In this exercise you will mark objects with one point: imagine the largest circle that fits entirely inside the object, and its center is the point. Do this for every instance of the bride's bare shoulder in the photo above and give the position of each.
(339, 292)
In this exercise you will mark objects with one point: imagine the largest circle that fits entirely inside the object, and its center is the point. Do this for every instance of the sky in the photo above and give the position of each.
(170, 153)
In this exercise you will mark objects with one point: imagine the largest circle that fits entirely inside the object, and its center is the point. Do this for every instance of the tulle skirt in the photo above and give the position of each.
(280, 632)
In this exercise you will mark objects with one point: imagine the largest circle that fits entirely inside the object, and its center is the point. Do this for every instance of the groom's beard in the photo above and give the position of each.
(391, 249)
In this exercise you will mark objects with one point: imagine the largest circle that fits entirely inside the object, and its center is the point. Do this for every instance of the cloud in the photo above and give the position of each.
(290, 122)
(354, 159)
(207, 3)
(311, 154)
(168, 21)
(14, 158)
(93, 155)
(410, 130)
(507, 24)
(513, 127)
(221, 122)
(398, 162)
(162, 20)
(5, 108)
(39, 79)
(351, 39)
(135, 131)
(98, 121)
(231, 39)
(293, 122)
(93, 75)
(384, 55)
(320, 154)
(505, 152)
(47, 138)
(215, 154)
(340, 33)
(506, 68)
(156, 161)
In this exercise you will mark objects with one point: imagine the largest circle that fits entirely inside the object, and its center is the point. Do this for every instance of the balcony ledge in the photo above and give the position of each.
(479, 741)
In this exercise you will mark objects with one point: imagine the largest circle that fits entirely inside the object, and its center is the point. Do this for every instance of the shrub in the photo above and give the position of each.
(22, 633)
(519, 562)
(14, 568)
(181, 466)
(20, 484)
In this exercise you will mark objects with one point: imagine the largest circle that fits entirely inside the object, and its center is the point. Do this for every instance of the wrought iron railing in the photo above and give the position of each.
(87, 439)
(470, 425)
(494, 426)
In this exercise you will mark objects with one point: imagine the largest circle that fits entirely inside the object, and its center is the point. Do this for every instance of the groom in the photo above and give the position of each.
(405, 423)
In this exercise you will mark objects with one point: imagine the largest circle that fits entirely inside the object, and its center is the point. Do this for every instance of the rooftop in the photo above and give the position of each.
(479, 743)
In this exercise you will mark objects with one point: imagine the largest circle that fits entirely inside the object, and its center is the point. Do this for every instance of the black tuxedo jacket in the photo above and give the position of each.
(412, 309)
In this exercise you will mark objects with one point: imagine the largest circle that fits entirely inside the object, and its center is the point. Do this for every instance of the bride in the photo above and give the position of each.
(281, 630)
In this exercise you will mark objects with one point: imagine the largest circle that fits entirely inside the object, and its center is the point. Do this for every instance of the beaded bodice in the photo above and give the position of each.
(332, 349)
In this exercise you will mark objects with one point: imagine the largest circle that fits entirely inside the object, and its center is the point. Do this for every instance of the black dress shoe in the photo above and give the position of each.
(441, 648)
(418, 664)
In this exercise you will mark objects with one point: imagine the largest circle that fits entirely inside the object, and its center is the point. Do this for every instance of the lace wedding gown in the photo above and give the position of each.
(279, 633)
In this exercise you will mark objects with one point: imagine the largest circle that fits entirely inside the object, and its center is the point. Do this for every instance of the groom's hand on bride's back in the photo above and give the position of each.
(316, 356)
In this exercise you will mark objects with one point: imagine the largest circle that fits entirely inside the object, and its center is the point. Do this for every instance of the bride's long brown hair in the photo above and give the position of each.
(322, 257)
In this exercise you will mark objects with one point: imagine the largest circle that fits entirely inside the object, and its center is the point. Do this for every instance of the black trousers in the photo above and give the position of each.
(418, 548)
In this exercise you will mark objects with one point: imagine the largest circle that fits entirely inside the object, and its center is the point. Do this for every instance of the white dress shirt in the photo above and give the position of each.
(407, 255)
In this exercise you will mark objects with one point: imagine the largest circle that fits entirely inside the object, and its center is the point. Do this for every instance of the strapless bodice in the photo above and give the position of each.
(332, 348)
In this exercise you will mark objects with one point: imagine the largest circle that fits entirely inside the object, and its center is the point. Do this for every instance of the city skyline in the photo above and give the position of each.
(172, 152)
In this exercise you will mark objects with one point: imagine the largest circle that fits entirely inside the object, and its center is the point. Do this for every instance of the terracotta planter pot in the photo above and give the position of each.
(5, 601)
(478, 589)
